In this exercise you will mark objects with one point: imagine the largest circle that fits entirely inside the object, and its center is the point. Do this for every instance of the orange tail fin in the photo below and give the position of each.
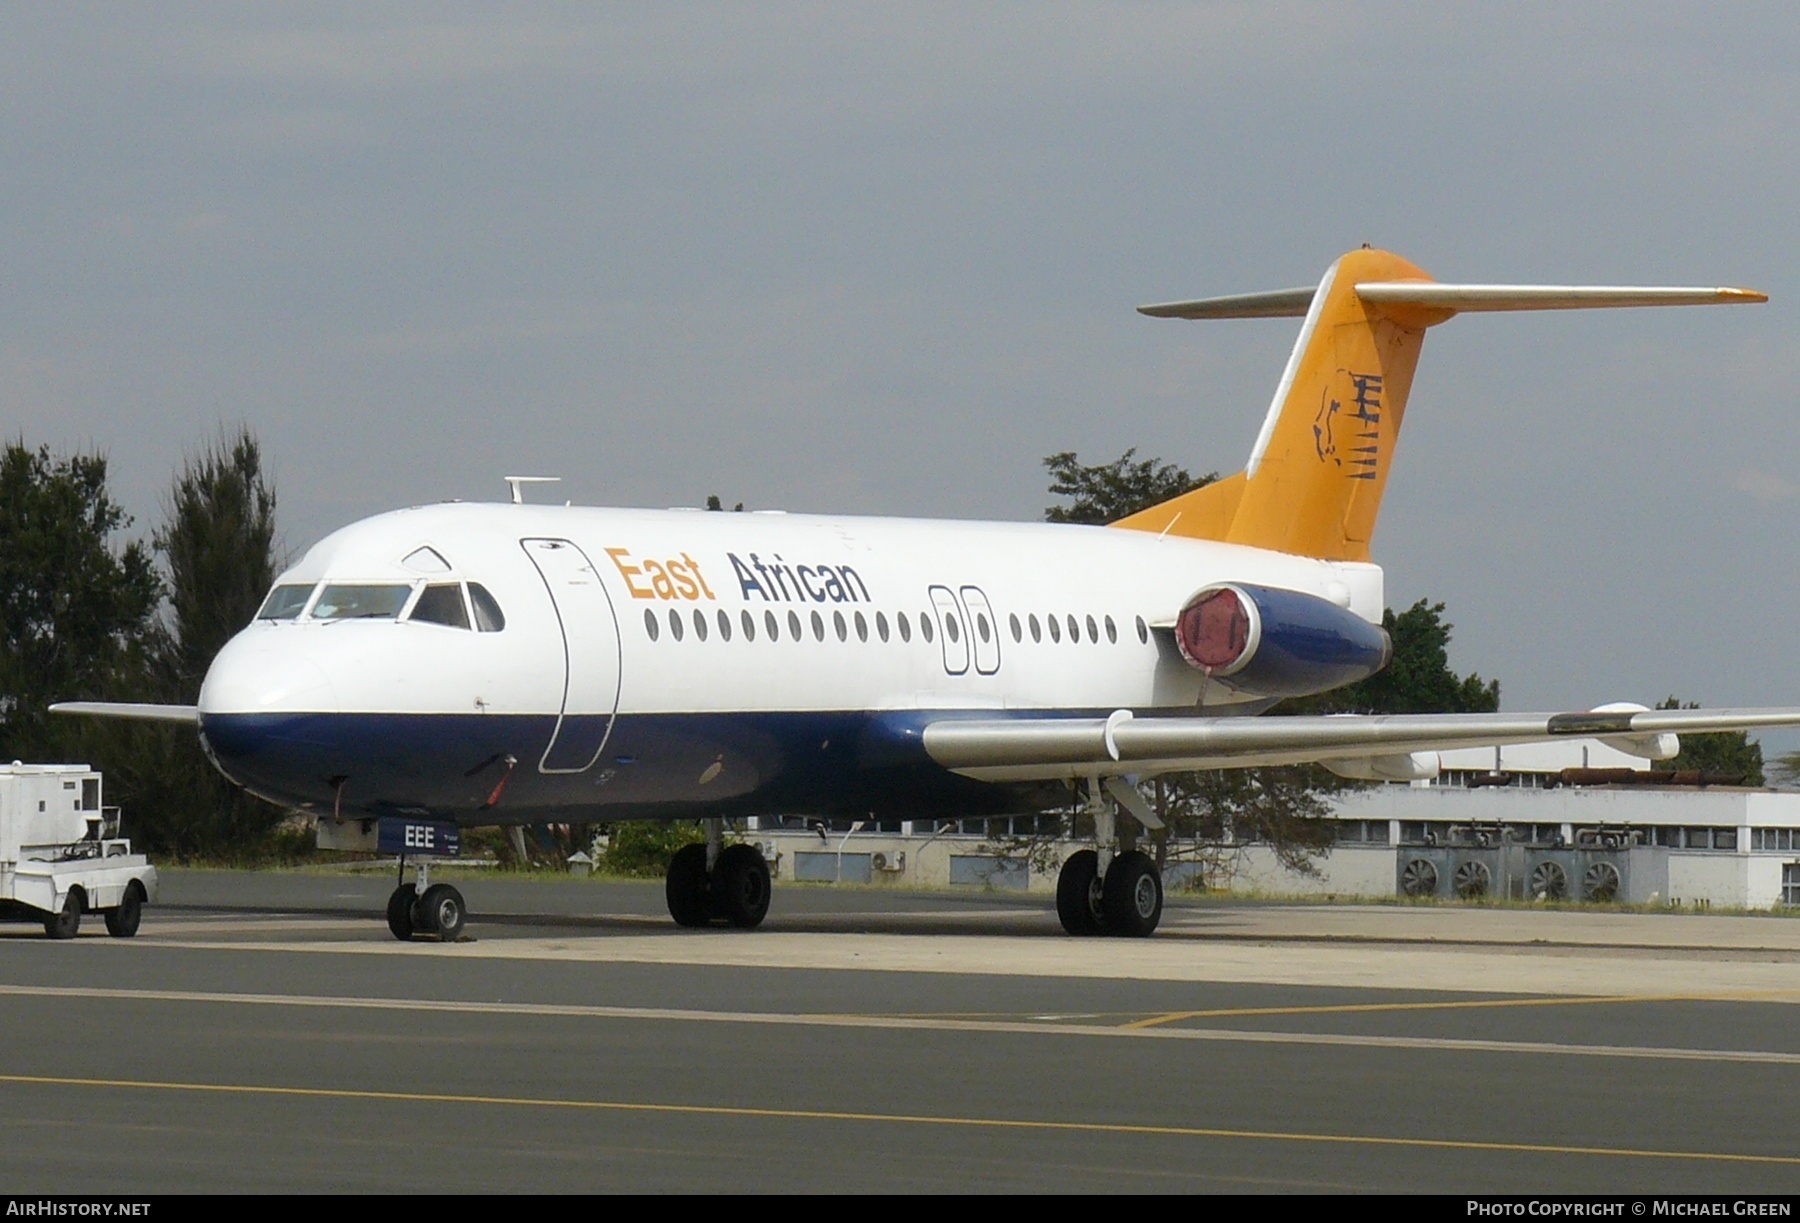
(1315, 478)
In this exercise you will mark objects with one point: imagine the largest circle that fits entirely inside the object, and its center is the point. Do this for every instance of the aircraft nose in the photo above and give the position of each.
(252, 676)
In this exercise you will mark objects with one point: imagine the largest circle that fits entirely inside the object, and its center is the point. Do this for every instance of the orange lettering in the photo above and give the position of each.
(626, 572)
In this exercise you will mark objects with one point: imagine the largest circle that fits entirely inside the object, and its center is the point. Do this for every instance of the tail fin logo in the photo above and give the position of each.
(1363, 453)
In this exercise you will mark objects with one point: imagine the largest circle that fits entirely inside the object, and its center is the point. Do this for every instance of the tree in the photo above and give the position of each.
(1108, 492)
(75, 615)
(219, 546)
(1727, 754)
(1418, 678)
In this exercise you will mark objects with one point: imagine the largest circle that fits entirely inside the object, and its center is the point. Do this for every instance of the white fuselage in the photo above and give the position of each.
(637, 655)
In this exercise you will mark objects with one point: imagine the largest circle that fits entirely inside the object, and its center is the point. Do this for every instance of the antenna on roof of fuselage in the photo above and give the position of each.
(517, 484)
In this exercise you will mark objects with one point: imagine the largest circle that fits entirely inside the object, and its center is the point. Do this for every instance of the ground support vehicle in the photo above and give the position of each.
(60, 853)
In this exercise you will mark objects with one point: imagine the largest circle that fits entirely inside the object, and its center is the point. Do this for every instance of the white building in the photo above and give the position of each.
(1497, 821)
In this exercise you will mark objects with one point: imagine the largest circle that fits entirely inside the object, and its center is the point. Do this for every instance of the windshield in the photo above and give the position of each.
(285, 602)
(361, 602)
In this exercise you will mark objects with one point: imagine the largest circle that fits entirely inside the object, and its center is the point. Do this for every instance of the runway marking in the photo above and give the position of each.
(1459, 1004)
(911, 1023)
(914, 1119)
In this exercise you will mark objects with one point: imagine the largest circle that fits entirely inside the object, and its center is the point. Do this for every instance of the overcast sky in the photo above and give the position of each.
(882, 258)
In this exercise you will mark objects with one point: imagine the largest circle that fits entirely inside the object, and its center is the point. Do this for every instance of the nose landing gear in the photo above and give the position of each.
(432, 909)
(718, 882)
(1114, 889)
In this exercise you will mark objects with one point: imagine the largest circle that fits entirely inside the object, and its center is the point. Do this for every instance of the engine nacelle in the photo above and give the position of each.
(1270, 642)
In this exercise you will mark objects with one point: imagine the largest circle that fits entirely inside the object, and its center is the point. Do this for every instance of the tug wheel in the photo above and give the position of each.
(66, 922)
(122, 922)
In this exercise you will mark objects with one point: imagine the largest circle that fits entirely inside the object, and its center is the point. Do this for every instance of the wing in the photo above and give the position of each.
(136, 711)
(1033, 749)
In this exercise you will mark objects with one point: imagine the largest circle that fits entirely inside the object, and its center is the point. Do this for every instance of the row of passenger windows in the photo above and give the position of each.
(446, 603)
(902, 626)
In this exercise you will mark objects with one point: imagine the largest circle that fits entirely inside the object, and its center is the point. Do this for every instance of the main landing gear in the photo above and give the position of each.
(1115, 889)
(718, 882)
(432, 909)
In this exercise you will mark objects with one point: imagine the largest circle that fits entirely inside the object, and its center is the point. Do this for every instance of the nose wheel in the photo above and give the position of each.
(435, 910)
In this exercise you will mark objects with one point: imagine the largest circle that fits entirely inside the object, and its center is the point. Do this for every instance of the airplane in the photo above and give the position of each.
(511, 663)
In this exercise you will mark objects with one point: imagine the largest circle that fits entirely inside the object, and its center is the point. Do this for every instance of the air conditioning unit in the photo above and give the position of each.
(890, 863)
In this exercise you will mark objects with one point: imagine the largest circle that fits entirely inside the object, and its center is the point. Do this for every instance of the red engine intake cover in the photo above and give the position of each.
(1214, 632)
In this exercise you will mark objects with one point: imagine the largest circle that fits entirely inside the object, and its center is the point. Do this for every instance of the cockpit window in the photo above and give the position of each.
(361, 602)
(441, 604)
(285, 602)
(488, 616)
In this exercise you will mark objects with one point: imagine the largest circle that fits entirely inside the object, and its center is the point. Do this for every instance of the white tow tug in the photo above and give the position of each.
(61, 854)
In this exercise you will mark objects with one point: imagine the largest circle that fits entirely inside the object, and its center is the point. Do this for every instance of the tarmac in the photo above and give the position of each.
(265, 1033)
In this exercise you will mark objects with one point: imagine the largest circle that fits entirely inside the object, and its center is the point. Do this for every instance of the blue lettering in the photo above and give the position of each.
(746, 583)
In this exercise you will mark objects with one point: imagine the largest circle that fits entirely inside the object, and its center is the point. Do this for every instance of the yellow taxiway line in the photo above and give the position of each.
(1457, 1005)
(906, 1119)
(1024, 1027)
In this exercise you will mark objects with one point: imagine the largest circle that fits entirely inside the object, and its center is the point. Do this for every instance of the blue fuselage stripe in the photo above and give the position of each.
(653, 765)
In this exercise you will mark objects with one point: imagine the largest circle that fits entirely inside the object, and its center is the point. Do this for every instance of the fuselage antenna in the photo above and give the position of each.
(517, 484)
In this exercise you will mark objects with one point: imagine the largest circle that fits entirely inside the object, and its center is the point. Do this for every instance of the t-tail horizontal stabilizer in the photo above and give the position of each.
(1315, 478)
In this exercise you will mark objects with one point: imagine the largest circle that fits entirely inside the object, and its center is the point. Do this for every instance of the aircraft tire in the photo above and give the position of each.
(687, 888)
(741, 887)
(1077, 894)
(66, 922)
(399, 913)
(122, 922)
(1132, 897)
(440, 911)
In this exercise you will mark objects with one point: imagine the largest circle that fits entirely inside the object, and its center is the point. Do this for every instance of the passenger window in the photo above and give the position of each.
(488, 617)
(794, 626)
(905, 626)
(441, 604)
(925, 627)
(1012, 618)
(749, 623)
(285, 602)
(651, 628)
(1055, 628)
(951, 629)
(1093, 631)
(1112, 631)
(1143, 632)
(1036, 633)
(724, 625)
(674, 624)
(818, 623)
(843, 630)
(881, 628)
(981, 626)
(862, 628)
(348, 602)
(772, 625)
(699, 624)
(1074, 629)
